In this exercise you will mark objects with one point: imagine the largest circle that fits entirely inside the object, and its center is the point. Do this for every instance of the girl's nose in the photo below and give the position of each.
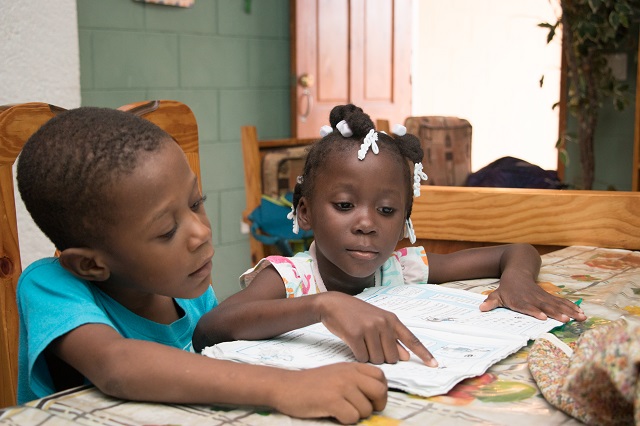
(365, 222)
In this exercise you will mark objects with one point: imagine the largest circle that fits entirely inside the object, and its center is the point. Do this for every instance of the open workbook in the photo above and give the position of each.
(465, 341)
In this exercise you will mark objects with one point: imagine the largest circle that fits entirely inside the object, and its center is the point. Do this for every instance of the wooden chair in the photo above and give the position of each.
(270, 167)
(17, 123)
(447, 218)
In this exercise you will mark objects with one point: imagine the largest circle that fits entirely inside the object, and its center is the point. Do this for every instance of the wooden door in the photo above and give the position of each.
(350, 51)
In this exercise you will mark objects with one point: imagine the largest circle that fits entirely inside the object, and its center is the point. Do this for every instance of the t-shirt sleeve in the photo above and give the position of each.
(414, 264)
(296, 274)
(51, 302)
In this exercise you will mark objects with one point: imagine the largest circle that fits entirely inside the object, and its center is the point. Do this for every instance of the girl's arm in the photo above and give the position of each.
(148, 371)
(261, 311)
(517, 266)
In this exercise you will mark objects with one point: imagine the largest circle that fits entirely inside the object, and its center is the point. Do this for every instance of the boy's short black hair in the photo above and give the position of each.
(67, 168)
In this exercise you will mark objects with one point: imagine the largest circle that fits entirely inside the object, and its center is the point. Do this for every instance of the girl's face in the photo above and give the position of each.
(357, 213)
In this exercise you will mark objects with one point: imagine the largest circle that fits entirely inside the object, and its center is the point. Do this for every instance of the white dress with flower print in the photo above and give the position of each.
(301, 277)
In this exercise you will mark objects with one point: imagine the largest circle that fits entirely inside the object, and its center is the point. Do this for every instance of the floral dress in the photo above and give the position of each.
(301, 276)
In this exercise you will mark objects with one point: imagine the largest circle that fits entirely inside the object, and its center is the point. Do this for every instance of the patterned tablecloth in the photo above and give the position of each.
(607, 280)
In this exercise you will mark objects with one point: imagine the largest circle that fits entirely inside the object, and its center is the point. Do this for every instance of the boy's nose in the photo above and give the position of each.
(200, 231)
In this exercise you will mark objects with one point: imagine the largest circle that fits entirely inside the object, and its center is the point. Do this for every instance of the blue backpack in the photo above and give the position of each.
(270, 225)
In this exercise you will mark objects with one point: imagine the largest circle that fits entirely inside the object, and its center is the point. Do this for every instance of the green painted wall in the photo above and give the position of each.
(230, 67)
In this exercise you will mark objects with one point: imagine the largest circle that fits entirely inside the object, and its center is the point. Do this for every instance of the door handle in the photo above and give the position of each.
(306, 98)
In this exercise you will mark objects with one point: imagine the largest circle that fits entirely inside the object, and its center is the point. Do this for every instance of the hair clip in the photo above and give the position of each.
(325, 130)
(418, 175)
(409, 232)
(292, 216)
(399, 129)
(299, 179)
(369, 141)
(344, 129)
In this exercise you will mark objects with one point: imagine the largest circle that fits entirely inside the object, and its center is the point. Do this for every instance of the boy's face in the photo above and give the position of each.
(160, 242)
(357, 213)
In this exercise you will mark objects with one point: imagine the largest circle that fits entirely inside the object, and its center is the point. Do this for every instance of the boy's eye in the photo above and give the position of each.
(343, 206)
(387, 210)
(196, 206)
(170, 234)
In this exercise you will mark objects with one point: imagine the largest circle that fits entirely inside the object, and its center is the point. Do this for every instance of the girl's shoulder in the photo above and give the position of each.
(411, 253)
(408, 265)
(297, 273)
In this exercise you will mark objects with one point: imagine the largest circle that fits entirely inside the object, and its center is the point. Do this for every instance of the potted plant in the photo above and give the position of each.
(591, 31)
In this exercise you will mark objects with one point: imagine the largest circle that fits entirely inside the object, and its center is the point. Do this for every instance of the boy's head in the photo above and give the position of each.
(67, 170)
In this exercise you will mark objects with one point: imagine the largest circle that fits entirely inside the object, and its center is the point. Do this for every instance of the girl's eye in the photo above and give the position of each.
(387, 210)
(343, 206)
(169, 234)
(196, 206)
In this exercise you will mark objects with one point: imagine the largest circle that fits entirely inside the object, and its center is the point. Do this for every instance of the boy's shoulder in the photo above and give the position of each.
(45, 262)
(45, 266)
(46, 273)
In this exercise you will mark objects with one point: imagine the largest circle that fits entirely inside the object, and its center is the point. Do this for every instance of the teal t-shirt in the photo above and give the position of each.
(52, 302)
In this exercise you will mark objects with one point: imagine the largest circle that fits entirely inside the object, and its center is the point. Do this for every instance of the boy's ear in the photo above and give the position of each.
(84, 263)
(302, 213)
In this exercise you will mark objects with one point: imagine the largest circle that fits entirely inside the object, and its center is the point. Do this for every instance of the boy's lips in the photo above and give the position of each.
(203, 270)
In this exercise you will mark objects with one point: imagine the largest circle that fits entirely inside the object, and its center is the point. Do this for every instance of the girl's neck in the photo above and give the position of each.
(333, 278)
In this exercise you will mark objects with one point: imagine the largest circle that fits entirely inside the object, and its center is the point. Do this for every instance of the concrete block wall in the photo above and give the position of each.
(231, 67)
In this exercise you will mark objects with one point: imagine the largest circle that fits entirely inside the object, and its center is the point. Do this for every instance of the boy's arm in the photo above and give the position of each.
(261, 311)
(517, 266)
(147, 371)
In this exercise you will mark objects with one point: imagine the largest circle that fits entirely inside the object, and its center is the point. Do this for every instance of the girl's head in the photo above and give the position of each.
(356, 193)
(405, 149)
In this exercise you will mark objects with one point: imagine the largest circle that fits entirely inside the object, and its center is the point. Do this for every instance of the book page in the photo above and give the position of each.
(464, 341)
(459, 356)
(437, 307)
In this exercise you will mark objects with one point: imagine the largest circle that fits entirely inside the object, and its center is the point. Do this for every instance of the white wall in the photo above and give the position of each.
(40, 62)
(482, 60)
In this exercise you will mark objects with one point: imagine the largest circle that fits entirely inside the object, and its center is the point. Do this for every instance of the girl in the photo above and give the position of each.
(356, 193)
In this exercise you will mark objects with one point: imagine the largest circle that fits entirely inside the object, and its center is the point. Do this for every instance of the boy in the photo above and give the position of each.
(118, 308)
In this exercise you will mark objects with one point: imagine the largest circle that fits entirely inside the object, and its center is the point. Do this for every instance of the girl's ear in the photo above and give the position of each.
(404, 232)
(85, 264)
(303, 214)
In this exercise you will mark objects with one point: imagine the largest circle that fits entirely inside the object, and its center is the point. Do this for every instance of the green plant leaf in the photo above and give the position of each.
(595, 5)
(614, 19)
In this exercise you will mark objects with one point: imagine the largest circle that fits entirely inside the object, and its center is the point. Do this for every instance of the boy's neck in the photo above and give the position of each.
(154, 307)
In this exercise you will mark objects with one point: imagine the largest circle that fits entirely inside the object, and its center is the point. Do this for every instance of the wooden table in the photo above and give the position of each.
(608, 281)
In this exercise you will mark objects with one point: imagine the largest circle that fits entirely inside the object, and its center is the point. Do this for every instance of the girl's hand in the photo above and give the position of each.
(373, 334)
(520, 293)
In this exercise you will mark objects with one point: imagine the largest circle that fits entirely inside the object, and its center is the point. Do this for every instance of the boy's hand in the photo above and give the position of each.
(346, 391)
(521, 294)
(371, 333)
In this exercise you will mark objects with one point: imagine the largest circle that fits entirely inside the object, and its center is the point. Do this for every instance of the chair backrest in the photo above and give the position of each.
(17, 123)
(270, 167)
(446, 142)
(447, 219)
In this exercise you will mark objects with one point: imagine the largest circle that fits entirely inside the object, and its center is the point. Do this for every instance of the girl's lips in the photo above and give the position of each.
(203, 271)
(363, 254)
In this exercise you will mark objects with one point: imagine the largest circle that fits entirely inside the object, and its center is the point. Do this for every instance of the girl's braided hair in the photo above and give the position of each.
(403, 148)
